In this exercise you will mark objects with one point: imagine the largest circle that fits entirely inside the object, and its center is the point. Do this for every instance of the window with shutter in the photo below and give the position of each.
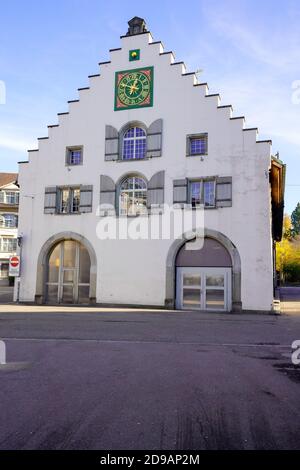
(154, 139)
(211, 192)
(86, 199)
(111, 143)
(224, 192)
(202, 192)
(133, 196)
(156, 190)
(50, 202)
(107, 196)
(134, 144)
(180, 191)
(68, 200)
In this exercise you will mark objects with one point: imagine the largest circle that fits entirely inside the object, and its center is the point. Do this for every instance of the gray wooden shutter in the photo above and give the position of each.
(111, 143)
(224, 192)
(50, 202)
(156, 190)
(107, 196)
(154, 139)
(180, 191)
(86, 199)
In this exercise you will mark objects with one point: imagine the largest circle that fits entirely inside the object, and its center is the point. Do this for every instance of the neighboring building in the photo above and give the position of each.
(143, 134)
(9, 205)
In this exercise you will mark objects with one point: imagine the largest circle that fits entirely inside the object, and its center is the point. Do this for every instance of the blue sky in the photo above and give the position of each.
(249, 51)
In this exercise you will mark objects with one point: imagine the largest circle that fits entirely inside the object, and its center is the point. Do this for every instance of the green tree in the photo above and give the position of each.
(295, 218)
(288, 254)
(287, 228)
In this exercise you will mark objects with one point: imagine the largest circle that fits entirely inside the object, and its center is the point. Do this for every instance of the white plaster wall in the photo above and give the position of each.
(134, 271)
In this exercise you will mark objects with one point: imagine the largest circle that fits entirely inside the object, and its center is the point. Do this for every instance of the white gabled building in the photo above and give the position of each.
(145, 135)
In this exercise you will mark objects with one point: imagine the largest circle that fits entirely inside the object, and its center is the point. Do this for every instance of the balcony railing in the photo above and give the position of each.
(8, 225)
(8, 246)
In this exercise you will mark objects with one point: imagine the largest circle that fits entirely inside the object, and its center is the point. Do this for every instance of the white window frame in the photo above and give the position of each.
(4, 272)
(5, 247)
(203, 288)
(135, 138)
(8, 194)
(72, 199)
(6, 217)
(69, 152)
(132, 193)
(69, 208)
(190, 138)
(202, 182)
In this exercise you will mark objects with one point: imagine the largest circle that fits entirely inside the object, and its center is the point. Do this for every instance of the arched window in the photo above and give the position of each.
(133, 196)
(134, 144)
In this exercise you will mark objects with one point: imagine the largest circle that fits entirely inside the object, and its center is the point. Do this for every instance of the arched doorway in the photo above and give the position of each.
(230, 260)
(203, 277)
(68, 273)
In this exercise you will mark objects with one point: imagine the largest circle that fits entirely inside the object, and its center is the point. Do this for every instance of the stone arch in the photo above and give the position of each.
(43, 260)
(236, 267)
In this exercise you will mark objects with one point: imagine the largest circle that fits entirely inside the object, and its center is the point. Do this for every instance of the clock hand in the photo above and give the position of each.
(133, 87)
(129, 86)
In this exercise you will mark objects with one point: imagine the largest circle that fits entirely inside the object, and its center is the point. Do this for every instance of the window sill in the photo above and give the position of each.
(184, 205)
(123, 216)
(206, 207)
(67, 214)
(10, 204)
(124, 160)
(145, 216)
(197, 155)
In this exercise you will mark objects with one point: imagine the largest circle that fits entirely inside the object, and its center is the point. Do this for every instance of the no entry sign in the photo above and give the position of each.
(14, 266)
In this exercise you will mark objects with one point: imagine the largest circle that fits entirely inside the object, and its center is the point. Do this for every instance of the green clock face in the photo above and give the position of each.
(134, 89)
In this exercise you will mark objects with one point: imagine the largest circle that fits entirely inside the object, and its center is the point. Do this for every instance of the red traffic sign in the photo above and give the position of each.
(14, 266)
(14, 261)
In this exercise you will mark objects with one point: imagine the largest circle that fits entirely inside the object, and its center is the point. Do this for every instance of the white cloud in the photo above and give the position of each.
(267, 104)
(275, 47)
(258, 68)
(13, 143)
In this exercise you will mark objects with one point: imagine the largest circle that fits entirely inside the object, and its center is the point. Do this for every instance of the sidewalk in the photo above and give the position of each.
(290, 300)
(6, 294)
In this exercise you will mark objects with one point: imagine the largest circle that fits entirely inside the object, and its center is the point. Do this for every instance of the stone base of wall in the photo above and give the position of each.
(237, 309)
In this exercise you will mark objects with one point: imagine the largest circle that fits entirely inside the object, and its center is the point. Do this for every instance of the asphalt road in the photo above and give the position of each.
(290, 299)
(157, 380)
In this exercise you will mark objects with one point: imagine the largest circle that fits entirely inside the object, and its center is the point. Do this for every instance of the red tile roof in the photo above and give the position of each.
(7, 178)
